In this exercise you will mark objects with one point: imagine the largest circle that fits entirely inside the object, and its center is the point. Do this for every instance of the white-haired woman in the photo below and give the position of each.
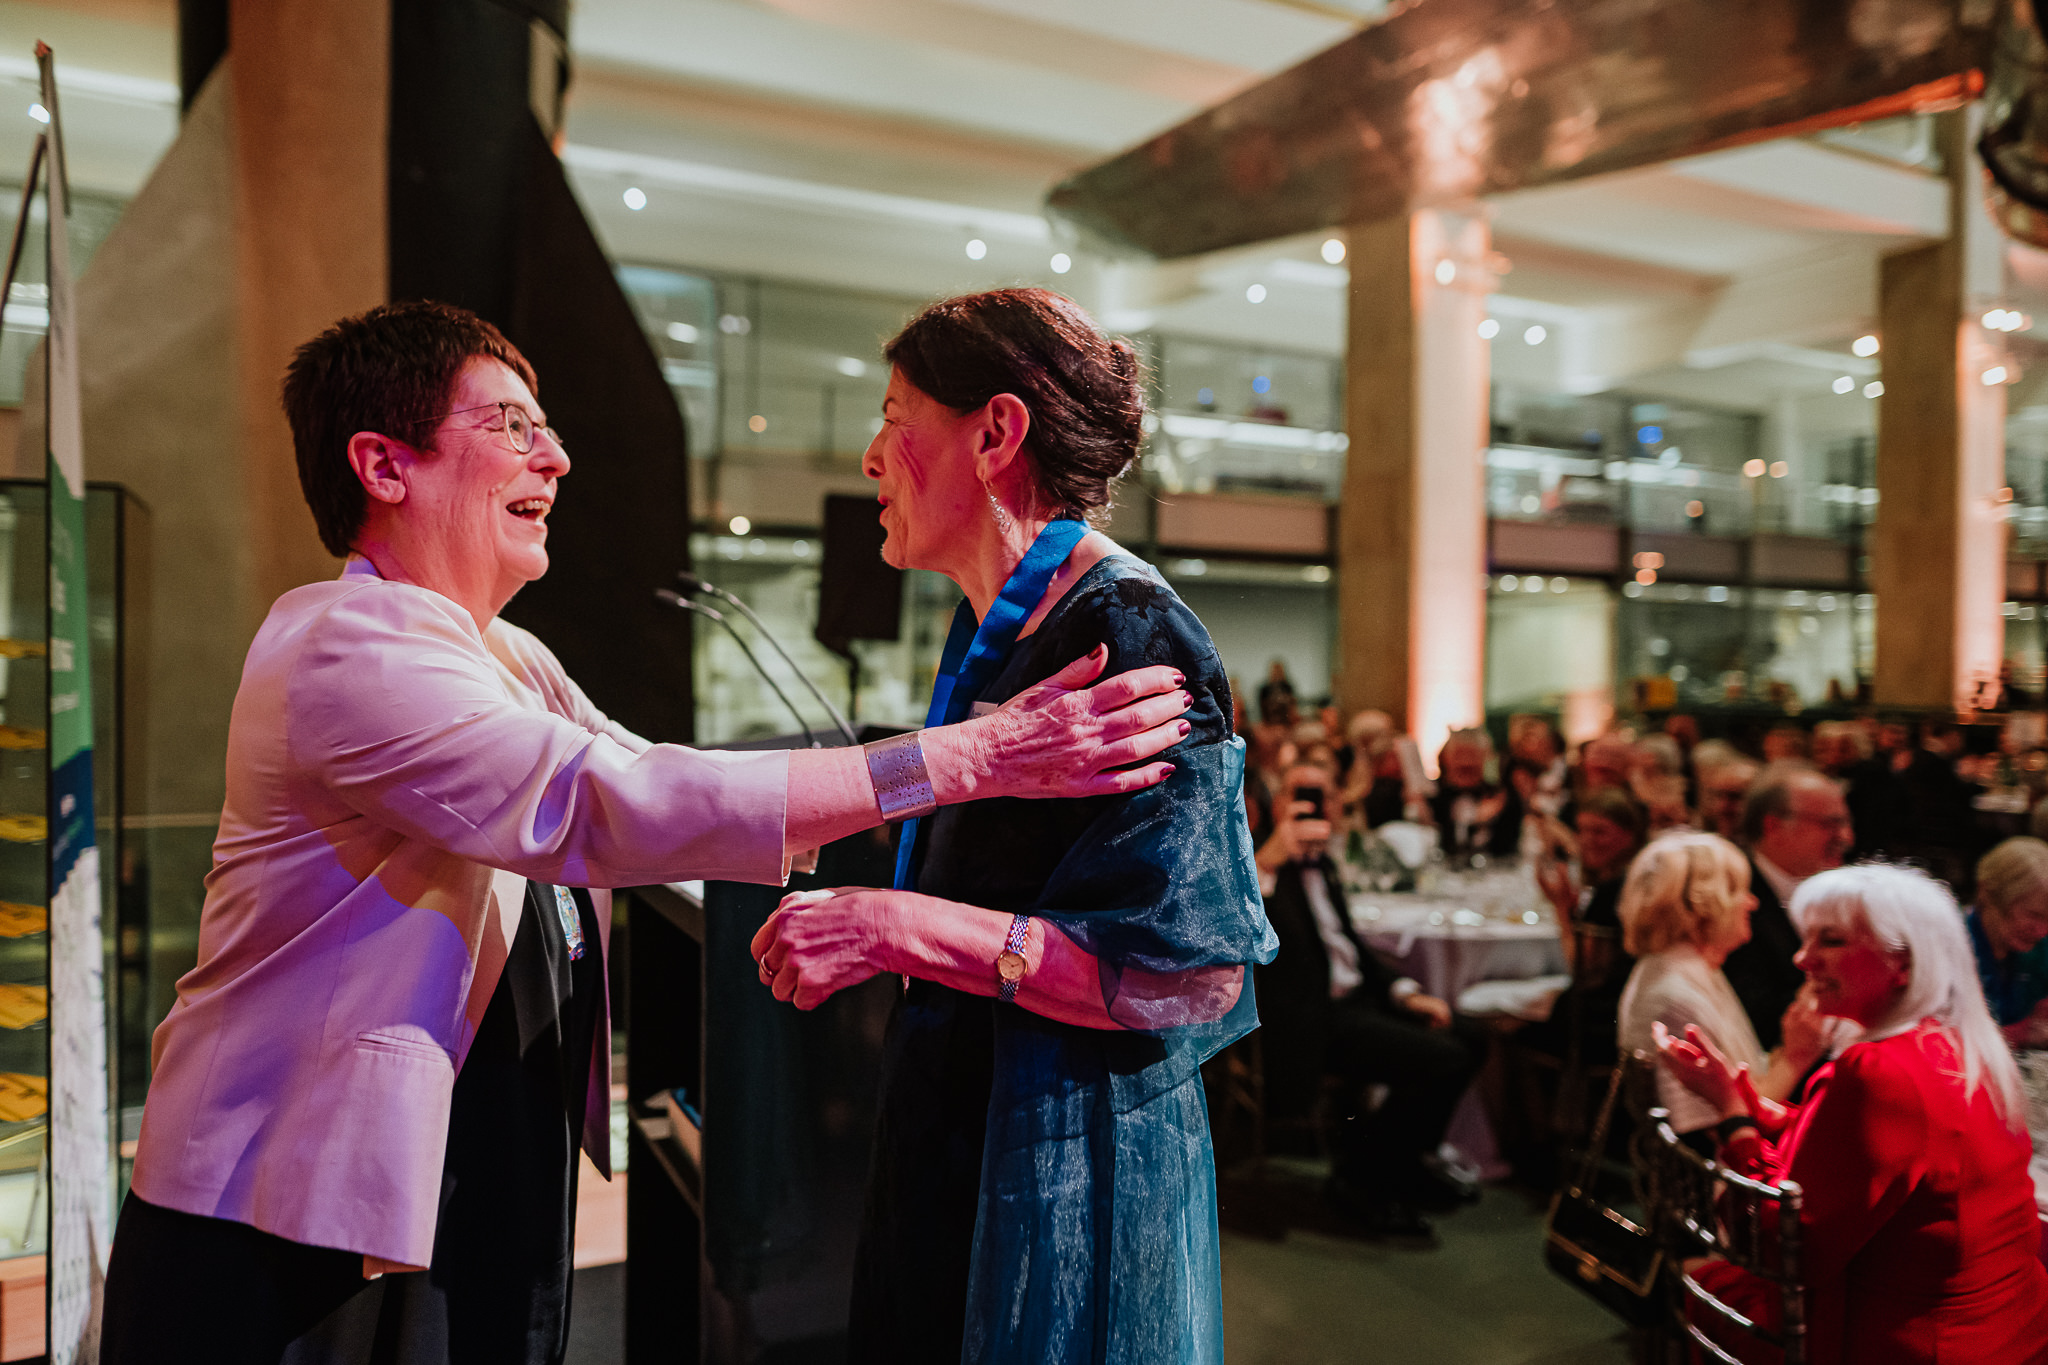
(1921, 1241)
(1684, 908)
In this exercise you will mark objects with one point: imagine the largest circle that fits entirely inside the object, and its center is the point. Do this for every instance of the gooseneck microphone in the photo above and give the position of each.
(682, 603)
(696, 584)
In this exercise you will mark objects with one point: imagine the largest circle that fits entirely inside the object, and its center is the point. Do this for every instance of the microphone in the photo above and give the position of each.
(696, 584)
(682, 603)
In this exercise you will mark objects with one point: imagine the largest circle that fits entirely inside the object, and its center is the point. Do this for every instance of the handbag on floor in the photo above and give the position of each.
(1596, 1248)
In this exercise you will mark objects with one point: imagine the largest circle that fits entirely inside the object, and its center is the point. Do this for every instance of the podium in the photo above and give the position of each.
(740, 1236)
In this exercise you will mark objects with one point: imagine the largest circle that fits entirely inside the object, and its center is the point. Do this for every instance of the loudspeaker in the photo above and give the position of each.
(859, 596)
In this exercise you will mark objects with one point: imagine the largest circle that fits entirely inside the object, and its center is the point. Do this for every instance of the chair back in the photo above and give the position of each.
(1700, 1208)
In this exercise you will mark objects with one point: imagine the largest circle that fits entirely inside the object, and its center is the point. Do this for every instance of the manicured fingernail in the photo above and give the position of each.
(1179, 678)
(1187, 699)
(1185, 727)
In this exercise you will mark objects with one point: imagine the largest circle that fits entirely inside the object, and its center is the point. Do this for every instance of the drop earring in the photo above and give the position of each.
(1003, 519)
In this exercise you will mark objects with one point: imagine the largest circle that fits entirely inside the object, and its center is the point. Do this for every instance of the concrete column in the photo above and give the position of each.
(1937, 553)
(1412, 525)
(310, 83)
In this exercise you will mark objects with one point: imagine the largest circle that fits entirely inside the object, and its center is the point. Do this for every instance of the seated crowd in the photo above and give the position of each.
(1773, 918)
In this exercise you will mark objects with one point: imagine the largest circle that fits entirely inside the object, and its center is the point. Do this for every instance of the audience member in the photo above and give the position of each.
(1610, 828)
(1658, 782)
(1725, 776)
(2009, 938)
(1921, 1239)
(1277, 702)
(1473, 815)
(1329, 1006)
(1794, 825)
(1684, 908)
(1608, 761)
(1784, 741)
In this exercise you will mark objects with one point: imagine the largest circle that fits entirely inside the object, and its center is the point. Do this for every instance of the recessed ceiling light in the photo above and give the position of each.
(1534, 336)
(976, 249)
(1255, 294)
(1061, 263)
(1865, 345)
(1333, 250)
(636, 198)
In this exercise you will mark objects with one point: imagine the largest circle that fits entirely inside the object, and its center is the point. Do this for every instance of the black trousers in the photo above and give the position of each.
(1425, 1071)
(182, 1288)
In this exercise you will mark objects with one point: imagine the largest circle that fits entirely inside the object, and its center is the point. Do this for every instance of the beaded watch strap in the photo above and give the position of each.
(903, 789)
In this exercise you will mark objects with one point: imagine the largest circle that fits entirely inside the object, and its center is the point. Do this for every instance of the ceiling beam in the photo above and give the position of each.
(1451, 100)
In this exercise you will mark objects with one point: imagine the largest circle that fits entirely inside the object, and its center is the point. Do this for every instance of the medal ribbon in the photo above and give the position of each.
(975, 654)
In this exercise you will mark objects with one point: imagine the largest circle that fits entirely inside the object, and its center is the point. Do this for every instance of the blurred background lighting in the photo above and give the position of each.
(1534, 336)
(1255, 294)
(757, 424)
(976, 248)
(1649, 436)
(681, 331)
(1261, 383)
(1695, 508)
(1874, 389)
(1646, 576)
(852, 367)
(1333, 251)
(1205, 396)
(1994, 375)
(1865, 345)
(1446, 271)
(1490, 328)
(1754, 469)
(1844, 383)
(739, 526)
(1779, 469)
(1061, 263)
(38, 113)
(636, 198)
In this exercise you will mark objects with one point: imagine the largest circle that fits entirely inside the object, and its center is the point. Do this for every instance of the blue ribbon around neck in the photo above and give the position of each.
(975, 654)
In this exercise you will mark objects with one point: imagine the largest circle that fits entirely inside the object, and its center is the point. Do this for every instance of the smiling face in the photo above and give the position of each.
(1853, 975)
(923, 458)
(479, 503)
(1605, 845)
(2016, 928)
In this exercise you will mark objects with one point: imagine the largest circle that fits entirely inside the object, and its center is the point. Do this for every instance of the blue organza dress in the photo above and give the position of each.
(1044, 1193)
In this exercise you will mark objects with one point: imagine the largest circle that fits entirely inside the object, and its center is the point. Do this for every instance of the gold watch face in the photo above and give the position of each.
(1010, 966)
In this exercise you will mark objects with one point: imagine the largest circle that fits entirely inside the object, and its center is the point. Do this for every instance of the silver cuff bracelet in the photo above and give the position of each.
(903, 789)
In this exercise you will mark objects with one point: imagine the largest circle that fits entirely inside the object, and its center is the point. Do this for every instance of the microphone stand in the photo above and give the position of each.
(696, 584)
(682, 603)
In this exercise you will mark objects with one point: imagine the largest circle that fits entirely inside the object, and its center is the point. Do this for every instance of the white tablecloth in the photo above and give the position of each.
(1447, 945)
(1489, 931)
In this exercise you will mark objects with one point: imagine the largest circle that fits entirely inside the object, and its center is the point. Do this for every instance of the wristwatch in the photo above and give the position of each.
(1010, 961)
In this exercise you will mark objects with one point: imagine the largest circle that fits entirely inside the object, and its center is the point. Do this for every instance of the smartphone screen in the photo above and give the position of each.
(1314, 797)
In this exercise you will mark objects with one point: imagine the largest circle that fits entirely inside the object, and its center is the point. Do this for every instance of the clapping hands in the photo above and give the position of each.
(1695, 1063)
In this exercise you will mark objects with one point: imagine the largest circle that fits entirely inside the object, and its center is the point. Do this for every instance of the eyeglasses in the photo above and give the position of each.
(513, 420)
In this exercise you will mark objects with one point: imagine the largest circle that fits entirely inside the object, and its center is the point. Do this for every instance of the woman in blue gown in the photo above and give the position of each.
(1043, 1189)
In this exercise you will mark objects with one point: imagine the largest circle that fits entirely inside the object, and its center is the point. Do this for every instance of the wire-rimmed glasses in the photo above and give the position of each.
(513, 420)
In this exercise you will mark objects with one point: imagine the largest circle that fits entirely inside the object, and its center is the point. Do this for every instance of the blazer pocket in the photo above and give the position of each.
(404, 1046)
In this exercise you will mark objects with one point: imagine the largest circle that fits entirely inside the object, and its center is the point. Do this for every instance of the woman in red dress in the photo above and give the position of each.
(1921, 1237)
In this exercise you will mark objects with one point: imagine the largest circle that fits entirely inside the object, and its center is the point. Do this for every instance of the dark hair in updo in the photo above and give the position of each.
(1084, 391)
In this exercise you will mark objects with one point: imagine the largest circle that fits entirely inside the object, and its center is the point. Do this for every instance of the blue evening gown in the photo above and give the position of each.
(1044, 1193)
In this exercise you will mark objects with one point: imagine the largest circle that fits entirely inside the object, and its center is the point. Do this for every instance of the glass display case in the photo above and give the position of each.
(113, 517)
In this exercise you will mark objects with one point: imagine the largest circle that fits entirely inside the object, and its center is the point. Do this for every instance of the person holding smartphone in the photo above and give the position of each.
(1330, 1006)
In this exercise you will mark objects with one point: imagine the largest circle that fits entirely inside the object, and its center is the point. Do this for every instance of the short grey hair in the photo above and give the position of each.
(1771, 794)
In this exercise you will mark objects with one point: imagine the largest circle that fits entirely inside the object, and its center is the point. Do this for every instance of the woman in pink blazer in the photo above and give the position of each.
(416, 794)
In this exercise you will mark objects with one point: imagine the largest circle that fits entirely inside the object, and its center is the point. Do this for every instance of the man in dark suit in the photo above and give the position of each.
(1796, 823)
(1329, 1006)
